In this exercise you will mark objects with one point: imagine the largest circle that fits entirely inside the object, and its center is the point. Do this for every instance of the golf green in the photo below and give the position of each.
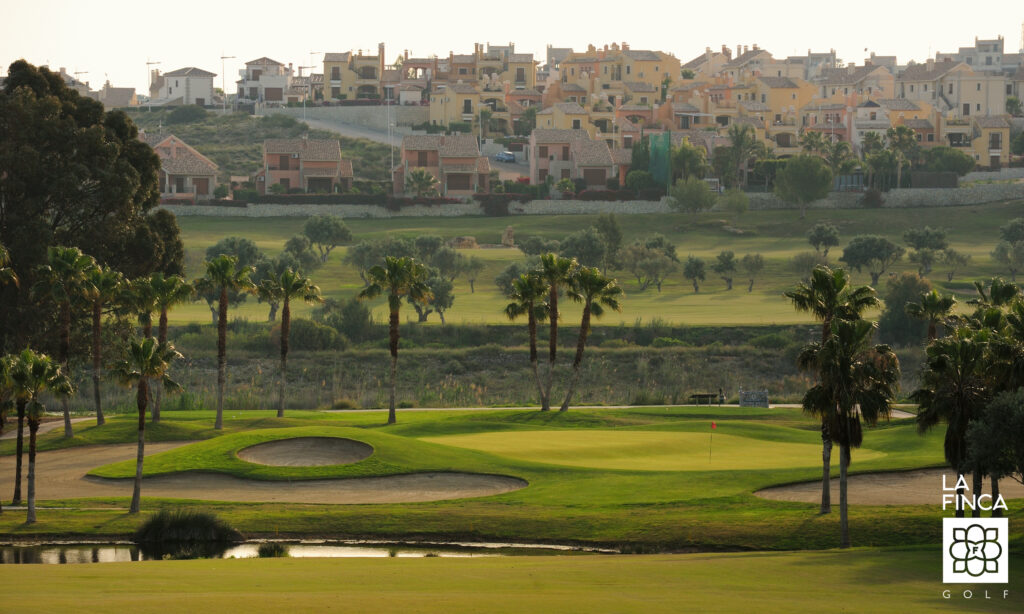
(644, 450)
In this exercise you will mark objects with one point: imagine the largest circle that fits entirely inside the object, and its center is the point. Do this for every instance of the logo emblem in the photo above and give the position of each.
(975, 550)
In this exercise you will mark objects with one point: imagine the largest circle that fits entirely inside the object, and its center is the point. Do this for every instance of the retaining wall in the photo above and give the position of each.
(373, 117)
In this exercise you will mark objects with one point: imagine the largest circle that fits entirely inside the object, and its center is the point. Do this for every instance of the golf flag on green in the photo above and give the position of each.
(713, 425)
(711, 439)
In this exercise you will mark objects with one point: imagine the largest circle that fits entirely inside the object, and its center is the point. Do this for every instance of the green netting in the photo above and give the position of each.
(661, 158)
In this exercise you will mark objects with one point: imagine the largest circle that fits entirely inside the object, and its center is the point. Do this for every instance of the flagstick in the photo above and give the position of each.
(710, 440)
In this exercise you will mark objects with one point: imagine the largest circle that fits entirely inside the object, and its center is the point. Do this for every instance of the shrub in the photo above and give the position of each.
(665, 342)
(612, 183)
(345, 404)
(308, 335)
(639, 180)
(221, 191)
(271, 550)
(184, 534)
(770, 341)
(186, 114)
(872, 199)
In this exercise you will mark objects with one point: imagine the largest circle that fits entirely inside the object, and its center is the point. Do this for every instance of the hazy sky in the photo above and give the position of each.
(115, 38)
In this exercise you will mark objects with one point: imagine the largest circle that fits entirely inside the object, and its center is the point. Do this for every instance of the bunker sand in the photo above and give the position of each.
(920, 487)
(61, 474)
(306, 452)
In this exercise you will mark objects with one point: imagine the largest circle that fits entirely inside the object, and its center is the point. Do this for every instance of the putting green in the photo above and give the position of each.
(645, 450)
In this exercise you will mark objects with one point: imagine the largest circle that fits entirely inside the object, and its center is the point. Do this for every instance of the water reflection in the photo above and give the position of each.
(65, 554)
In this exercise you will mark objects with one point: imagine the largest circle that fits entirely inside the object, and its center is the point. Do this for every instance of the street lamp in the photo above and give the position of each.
(224, 83)
(149, 76)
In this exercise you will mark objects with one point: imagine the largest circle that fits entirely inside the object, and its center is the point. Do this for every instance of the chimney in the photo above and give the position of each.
(726, 51)
(745, 49)
(756, 48)
(625, 46)
(739, 50)
(380, 61)
(406, 54)
(931, 63)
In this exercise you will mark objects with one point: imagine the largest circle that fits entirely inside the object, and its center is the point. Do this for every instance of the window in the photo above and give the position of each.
(995, 141)
(542, 151)
(846, 90)
(978, 88)
(643, 100)
(950, 88)
(977, 107)
(874, 115)
(988, 60)
(575, 124)
(925, 89)
(336, 73)
(655, 70)
(763, 97)
(628, 68)
(565, 152)
(931, 137)
(463, 71)
(970, 61)
(565, 173)
(520, 74)
(542, 175)
(421, 158)
(911, 88)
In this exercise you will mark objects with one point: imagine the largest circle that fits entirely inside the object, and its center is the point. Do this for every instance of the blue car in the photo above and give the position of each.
(505, 156)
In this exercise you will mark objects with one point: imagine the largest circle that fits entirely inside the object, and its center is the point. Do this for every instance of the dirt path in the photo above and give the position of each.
(12, 427)
(923, 486)
(60, 474)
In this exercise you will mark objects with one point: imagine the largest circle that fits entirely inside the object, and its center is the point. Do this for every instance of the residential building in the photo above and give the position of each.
(115, 97)
(954, 88)
(264, 80)
(455, 162)
(987, 55)
(348, 75)
(184, 172)
(859, 82)
(308, 165)
(571, 154)
(708, 63)
(189, 85)
(454, 103)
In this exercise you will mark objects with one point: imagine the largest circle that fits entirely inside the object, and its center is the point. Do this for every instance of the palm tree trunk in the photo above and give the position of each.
(158, 394)
(393, 346)
(959, 495)
(552, 346)
(222, 355)
(33, 426)
(65, 344)
(142, 398)
(19, 448)
(97, 315)
(545, 405)
(286, 318)
(976, 480)
(996, 512)
(844, 521)
(826, 470)
(932, 331)
(581, 343)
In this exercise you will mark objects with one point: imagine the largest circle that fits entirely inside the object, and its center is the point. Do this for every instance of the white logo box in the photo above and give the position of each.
(975, 550)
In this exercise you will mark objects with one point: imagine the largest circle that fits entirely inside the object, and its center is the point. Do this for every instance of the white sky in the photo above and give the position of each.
(115, 38)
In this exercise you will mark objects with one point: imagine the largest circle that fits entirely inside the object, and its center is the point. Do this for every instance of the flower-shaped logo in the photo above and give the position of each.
(975, 550)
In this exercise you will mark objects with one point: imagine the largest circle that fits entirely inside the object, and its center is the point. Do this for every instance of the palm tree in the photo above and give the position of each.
(282, 289)
(932, 308)
(61, 280)
(100, 288)
(223, 275)
(7, 275)
(857, 382)
(9, 394)
(812, 142)
(903, 143)
(31, 374)
(168, 291)
(6, 396)
(839, 157)
(398, 278)
(827, 296)
(421, 183)
(954, 390)
(554, 272)
(596, 292)
(744, 145)
(871, 143)
(527, 295)
(145, 360)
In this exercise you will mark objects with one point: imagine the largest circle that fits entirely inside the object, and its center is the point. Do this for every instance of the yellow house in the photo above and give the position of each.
(348, 76)
(459, 102)
(565, 116)
(953, 87)
(991, 143)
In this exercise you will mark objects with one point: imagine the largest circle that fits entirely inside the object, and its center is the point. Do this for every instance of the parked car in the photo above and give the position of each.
(505, 156)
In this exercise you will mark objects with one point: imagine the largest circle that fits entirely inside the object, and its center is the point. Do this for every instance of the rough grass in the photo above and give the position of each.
(867, 581)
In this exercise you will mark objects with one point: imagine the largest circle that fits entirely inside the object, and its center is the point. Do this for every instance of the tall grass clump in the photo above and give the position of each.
(272, 550)
(185, 534)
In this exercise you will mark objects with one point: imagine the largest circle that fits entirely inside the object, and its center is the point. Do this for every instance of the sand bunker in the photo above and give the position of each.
(921, 487)
(61, 474)
(306, 452)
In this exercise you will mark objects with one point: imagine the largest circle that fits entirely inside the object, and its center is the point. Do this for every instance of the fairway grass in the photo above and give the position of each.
(865, 581)
(645, 451)
(777, 235)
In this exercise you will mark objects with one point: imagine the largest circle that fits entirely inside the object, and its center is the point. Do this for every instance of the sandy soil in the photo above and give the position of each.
(902, 488)
(60, 474)
(306, 452)
(11, 430)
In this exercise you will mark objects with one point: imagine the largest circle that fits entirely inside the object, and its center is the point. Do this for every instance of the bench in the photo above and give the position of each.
(704, 398)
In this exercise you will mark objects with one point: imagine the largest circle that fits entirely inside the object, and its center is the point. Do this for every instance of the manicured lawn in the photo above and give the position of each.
(643, 451)
(629, 496)
(863, 580)
(777, 235)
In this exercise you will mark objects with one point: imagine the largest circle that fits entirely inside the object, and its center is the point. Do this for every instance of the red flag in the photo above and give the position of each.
(713, 425)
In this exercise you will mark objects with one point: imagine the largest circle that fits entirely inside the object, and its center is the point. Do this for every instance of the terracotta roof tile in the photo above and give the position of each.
(927, 72)
(591, 153)
(779, 82)
(189, 71)
(543, 136)
(992, 122)
(321, 150)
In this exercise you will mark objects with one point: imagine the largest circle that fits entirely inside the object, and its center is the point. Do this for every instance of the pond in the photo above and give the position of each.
(111, 552)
